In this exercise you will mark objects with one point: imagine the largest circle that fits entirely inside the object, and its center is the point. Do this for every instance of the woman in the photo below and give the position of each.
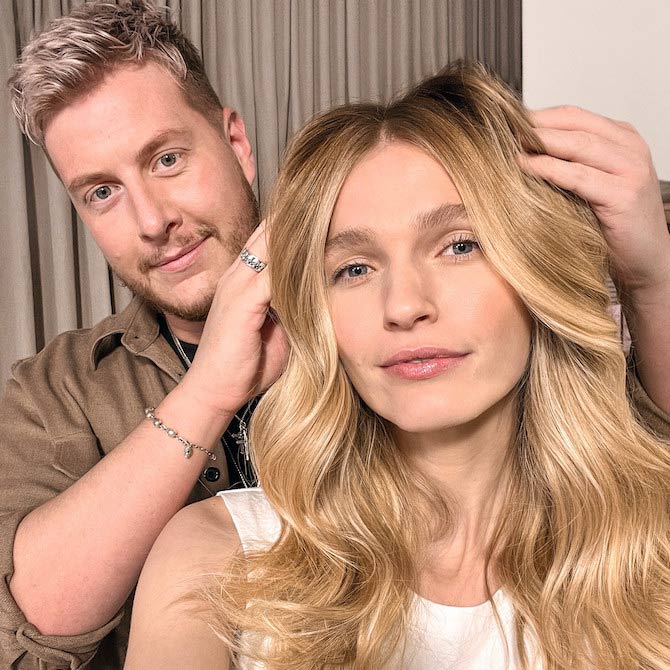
(453, 476)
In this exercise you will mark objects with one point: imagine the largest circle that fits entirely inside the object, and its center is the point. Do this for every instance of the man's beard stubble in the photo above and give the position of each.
(232, 239)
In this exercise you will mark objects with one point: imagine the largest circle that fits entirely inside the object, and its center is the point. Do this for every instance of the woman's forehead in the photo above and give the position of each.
(399, 182)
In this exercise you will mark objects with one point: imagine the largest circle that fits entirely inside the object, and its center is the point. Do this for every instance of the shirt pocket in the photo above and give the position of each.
(76, 454)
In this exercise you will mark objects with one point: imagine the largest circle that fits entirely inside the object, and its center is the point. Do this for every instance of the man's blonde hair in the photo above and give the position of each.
(75, 53)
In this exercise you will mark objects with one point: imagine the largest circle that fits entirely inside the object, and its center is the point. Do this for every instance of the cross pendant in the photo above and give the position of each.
(242, 440)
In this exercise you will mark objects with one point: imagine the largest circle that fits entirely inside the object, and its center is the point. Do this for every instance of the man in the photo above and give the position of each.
(160, 175)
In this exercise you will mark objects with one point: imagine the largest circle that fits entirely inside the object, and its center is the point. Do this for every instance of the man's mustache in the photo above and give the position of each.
(181, 242)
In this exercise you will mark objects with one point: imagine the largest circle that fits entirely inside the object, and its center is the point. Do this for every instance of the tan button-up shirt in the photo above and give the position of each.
(63, 410)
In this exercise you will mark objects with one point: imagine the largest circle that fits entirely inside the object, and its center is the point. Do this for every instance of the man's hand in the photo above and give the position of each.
(243, 350)
(608, 164)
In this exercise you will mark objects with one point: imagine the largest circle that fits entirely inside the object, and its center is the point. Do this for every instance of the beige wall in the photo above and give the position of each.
(611, 56)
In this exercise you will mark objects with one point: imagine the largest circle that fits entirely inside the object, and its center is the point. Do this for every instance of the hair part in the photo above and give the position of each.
(76, 52)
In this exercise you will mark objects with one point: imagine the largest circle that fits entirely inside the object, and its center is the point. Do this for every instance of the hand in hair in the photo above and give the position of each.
(607, 163)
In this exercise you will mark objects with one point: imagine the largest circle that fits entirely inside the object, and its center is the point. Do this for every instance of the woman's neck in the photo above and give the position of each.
(469, 464)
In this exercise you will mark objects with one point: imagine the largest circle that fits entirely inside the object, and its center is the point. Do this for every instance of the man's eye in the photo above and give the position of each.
(102, 193)
(168, 160)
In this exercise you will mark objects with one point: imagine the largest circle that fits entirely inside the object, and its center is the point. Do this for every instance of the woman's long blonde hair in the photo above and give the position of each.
(582, 548)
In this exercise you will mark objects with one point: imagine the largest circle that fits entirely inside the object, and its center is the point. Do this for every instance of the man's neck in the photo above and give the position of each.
(186, 331)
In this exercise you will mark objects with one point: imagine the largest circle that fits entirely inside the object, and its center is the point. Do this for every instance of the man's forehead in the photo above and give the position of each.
(118, 118)
(147, 91)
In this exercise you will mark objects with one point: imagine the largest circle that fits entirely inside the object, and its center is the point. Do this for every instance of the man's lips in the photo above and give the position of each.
(424, 363)
(181, 258)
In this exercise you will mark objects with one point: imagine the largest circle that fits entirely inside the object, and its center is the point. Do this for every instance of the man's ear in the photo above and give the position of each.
(236, 134)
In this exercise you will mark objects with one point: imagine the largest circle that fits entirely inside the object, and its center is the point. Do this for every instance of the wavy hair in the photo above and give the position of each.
(582, 546)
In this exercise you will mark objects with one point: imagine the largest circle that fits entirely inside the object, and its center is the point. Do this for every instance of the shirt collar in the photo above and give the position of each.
(135, 328)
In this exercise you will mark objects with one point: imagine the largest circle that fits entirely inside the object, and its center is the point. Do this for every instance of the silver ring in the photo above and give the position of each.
(252, 261)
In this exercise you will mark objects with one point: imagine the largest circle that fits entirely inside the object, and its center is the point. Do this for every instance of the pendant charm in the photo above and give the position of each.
(188, 451)
(242, 440)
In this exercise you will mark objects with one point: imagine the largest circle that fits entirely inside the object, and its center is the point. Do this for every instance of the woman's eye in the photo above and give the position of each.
(102, 193)
(351, 272)
(461, 248)
(354, 271)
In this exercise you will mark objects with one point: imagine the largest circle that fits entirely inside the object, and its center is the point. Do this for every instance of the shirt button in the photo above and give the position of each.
(212, 474)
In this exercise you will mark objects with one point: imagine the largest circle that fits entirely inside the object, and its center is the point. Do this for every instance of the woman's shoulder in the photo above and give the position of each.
(218, 527)
(210, 515)
(204, 532)
(199, 541)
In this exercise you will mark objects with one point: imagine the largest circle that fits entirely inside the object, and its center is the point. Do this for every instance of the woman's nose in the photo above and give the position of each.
(407, 299)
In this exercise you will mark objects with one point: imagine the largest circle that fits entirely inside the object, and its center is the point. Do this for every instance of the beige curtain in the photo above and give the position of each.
(278, 62)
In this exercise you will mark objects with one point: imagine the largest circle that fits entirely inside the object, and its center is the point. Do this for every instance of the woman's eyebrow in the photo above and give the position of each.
(349, 239)
(444, 215)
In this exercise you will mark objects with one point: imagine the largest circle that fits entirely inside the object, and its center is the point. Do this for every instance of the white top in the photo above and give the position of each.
(440, 636)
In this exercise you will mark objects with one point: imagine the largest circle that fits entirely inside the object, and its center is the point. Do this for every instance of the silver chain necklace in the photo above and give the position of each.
(241, 437)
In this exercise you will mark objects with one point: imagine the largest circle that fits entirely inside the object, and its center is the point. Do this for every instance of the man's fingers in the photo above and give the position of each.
(568, 117)
(258, 237)
(256, 245)
(589, 149)
(589, 183)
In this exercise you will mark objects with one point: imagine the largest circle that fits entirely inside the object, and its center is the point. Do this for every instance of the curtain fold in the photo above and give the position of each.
(278, 63)
(18, 336)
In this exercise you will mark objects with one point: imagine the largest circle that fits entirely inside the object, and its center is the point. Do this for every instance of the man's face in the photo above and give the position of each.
(164, 191)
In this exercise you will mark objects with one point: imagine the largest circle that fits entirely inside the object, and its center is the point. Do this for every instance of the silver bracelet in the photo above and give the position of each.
(188, 446)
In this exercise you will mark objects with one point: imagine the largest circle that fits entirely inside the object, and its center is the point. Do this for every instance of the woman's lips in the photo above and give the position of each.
(183, 261)
(424, 368)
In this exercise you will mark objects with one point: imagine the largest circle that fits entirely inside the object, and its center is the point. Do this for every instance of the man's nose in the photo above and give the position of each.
(155, 215)
(408, 298)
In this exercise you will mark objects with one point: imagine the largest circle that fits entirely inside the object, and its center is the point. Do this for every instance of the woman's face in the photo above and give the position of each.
(429, 334)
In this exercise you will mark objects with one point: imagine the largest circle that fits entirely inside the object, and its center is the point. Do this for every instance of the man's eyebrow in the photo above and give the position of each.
(151, 147)
(141, 156)
(87, 180)
(444, 215)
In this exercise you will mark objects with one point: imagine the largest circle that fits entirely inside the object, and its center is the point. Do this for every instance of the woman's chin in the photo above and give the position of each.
(425, 422)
